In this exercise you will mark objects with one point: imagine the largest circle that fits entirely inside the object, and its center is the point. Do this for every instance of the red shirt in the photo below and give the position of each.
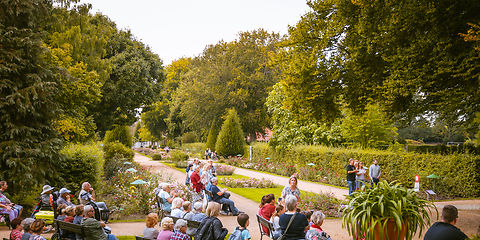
(196, 184)
(266, 212)
(15, 234)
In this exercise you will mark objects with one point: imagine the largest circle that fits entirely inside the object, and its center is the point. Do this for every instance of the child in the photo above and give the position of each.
(279, 210)
(61, 212)
(241, 232)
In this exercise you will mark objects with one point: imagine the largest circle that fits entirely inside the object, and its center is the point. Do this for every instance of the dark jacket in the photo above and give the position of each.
(211, 228)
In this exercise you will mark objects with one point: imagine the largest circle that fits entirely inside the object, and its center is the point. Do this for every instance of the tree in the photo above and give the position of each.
(230, 140)
(370, 129)
(29, 144)
(119, 133)
(212, 136)
(154, 119)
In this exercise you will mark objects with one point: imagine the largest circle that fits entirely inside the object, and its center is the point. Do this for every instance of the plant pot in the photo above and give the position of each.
(392, 231)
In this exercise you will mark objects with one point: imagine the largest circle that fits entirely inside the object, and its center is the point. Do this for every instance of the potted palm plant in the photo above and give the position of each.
(386, 211)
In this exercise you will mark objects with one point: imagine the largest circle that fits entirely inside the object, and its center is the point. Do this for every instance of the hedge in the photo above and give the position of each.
(459, 172)
(445, 149)
(83, 163)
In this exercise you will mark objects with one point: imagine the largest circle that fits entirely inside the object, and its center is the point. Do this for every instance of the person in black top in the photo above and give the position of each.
(445, 229)
(299, 225)
(219, 197)
(351, 172)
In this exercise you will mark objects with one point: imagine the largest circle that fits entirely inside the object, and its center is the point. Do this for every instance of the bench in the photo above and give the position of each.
(209, 195)
(160, 203)
(68, 227)
(265, 223)
(6, 217)
(190, 223)
(140, 238)
(430, 193)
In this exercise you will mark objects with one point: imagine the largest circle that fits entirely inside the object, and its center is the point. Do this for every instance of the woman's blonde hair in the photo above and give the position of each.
(151, 220)
(213, 209)
(167, 223)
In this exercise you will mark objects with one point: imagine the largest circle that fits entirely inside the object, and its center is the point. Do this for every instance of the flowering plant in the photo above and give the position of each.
(326, 203)
(248, 183)
(224, 169)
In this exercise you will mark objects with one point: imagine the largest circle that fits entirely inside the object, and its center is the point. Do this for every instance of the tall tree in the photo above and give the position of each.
(230, 140)
(29, 144)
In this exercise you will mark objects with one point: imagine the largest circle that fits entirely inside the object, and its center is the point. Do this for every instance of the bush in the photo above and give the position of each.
(197, 148)
(459, 175)
(114, 148)
(189, 137)
(222, 170)
(178, 156)
(445, 149)
(230, 140)
(181, 164)
(119, 134)
(157, 156)
(248, 183)
(212, 136)
(83, 163)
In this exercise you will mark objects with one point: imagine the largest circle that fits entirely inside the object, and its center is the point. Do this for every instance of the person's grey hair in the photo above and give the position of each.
(197, 206)
(87, 209)
(26, 223)
(177, 203)
(317, 217)
(180, 223)
(214, 179)
(290, 202)
(164, 185)
(85, 184)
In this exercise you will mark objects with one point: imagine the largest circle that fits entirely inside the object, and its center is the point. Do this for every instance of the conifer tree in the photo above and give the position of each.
(212, 136)
(230, 140)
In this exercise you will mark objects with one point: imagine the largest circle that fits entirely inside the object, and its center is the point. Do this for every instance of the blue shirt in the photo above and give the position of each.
(215, 190)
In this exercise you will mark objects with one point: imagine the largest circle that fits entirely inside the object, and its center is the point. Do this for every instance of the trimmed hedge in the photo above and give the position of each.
(459, 173)
(444, 149)
(83, 163)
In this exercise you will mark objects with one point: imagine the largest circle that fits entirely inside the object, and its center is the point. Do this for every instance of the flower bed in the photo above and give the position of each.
(222, 170)
(248, 183)
(326, 203)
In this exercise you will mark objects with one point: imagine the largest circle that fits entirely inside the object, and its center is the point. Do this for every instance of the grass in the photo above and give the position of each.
(126, 220)
(125, 237)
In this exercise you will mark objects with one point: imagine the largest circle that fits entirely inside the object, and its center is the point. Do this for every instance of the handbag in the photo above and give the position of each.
(288, 226)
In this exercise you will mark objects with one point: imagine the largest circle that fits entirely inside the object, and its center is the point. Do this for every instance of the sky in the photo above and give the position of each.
(183, 28)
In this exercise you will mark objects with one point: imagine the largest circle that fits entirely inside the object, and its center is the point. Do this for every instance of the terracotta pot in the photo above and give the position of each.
(392, 231)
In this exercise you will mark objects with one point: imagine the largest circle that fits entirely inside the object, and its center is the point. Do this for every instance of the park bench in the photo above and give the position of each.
(209, 195)
(62, 227)
(140, 238)
(265, 223)
(5, 239)
(160, 203)
(6, 218)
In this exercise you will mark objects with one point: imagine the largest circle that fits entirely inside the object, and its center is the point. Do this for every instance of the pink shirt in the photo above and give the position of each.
(164, 235)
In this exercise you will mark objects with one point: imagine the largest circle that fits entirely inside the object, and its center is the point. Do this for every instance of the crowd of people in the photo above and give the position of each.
(357, 174)
(62, 208)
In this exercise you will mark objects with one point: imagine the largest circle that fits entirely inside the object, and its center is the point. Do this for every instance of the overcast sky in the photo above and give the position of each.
(182, 28)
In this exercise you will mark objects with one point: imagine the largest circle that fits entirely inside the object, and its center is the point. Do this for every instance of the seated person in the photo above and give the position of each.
(65, 198)
(17, 228)
(78, 214)
(446, 229)
(167, 229)
(6, 206)
(177, 208)
(87, 194)
(180, 230)
(47, 201)
(218, 196)
(70, 212)
(27, 232)
(187, 207)
(37, 229)
(196, 215)
(93, 227)
(316, 232)
(61, 212)
(167, 196)
(150, 232)
(300, 223)
(211, 227)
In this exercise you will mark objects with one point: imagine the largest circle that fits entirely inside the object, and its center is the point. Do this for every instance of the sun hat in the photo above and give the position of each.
(47, 188)
(64, 190)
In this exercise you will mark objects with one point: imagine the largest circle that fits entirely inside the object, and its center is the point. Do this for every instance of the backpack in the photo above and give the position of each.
(236, 235)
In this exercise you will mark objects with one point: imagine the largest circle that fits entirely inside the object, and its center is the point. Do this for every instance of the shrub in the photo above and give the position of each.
(230, 140)
(111, 149)
(248, 183)
(324, 202)
(119, 134)
(83, 163)
(179, 156)
(181, 164)
(212, 136)
(222, 170)
(157, 156)
(188, 137)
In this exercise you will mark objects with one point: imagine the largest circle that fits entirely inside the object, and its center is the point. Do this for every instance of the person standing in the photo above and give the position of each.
(351, 172)
(361, 176)
(445, 229)
(374, 172)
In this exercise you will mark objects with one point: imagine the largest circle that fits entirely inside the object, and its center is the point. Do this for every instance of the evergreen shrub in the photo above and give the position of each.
(119, 134)
(178, 156)
(82, 163)
(459, 172)
(212, 136)
(230, 140)
(157, 157)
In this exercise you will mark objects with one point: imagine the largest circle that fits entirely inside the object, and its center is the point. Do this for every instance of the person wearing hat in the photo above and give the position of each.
(65, 198)
(47, 198)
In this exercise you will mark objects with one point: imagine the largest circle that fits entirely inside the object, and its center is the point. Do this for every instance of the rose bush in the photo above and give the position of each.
(248, 183)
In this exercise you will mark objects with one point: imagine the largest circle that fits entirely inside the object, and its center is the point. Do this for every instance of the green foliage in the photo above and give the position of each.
(119, 134)
(229, 75)
(112, 149)
(154, 119)
(230, 140)
(458, 175)
(370, 129)
(373, 207)
(82, 163)
(178, 156)
(212, 136)
(189, 137)
(29, 144)
(157, 156)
